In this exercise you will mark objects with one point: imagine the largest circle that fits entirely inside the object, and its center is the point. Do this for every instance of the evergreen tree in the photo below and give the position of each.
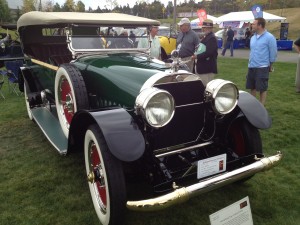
(4, 12)
(56, 8)
(80, 7)
(69, 6)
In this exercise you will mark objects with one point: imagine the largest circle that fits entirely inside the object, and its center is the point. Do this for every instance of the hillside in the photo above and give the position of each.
(292, 17)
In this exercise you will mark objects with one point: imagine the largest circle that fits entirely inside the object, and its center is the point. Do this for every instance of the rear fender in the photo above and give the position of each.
(33, 94)
(121, 133)
(254, 111)
(28, 79)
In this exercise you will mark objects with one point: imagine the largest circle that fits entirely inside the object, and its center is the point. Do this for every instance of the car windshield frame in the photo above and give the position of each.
(84, 39)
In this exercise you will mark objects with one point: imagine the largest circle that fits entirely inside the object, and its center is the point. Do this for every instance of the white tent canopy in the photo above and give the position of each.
(195, 22)
(247, 16)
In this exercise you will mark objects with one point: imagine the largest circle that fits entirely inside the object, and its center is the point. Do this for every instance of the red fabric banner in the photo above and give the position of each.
(201, 15)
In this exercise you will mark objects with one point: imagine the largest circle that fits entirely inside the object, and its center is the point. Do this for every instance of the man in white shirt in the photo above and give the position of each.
(155, 50)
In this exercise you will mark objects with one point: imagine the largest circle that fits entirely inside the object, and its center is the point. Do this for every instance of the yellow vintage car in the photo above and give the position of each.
(167, 38)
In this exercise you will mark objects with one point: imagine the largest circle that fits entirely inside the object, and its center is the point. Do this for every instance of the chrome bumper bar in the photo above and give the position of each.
(184, 193)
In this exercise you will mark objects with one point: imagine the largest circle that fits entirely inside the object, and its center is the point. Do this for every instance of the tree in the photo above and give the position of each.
(112, 3)
(18, 13)
(4, 12)
(98, 10)
(29, 5)
(49, 6)
(155, 10)
(56, 8)
(80, 7)
(69, 6)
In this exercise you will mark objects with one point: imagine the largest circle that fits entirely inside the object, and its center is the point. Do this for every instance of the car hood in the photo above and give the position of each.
(117, 78)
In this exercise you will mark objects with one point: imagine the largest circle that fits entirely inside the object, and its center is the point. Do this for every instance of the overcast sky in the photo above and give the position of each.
(89, 3)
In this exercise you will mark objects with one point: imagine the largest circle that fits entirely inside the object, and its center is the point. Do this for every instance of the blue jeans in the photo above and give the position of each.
(229, 44)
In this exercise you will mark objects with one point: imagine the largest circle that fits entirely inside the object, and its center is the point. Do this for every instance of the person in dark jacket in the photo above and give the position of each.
(206, 61)
(229, 43)
(247, 37)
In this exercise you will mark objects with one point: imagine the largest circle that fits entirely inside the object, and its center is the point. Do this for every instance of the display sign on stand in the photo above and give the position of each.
(284, 30)
(236, 214)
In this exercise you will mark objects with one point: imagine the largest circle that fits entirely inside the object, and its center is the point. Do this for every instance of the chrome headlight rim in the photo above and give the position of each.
(143, 100)
(213, 90)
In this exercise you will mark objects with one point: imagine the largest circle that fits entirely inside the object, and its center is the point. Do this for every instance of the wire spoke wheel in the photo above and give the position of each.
(70, 95)
(244, 139)
(105, 178)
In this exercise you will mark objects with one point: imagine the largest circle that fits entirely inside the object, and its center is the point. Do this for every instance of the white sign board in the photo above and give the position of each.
(239, 213)
(211, 166)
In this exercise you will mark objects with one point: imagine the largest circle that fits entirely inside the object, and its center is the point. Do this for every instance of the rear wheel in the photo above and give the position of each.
(70, 95)
(106, 178)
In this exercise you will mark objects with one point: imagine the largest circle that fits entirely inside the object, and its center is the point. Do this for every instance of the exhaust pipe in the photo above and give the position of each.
(182, 194)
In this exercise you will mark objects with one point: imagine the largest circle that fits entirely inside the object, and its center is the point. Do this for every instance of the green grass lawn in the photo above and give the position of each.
(38, 186)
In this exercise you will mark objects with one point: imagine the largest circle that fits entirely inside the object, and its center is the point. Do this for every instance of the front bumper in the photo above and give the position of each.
(184, 193)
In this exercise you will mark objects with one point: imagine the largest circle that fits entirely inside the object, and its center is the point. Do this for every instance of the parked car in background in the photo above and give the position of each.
(167, 37)
(10, 48)
(136, 118)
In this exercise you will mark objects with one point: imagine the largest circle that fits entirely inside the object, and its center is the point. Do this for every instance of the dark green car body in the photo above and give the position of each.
(121, 77)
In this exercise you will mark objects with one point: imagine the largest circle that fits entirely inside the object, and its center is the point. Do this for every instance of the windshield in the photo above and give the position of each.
(99, 38)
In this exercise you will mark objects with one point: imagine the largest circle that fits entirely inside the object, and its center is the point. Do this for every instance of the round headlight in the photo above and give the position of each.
(155, 106)
(223, 94)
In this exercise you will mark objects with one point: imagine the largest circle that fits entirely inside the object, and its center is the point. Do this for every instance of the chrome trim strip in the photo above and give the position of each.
(156, 152)
(192, 104)
(182, 194)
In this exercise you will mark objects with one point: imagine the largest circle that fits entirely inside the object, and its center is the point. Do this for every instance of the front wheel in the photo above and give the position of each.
(105, 178)
(244, 139)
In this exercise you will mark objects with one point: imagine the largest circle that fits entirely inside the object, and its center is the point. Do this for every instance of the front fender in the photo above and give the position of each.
(121, 133)
(254, 111)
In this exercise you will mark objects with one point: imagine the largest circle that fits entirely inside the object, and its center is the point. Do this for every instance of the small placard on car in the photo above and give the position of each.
(211, 166)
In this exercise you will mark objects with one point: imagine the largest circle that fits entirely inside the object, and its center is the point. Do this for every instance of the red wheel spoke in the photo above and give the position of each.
(67, 100)
(100, 183)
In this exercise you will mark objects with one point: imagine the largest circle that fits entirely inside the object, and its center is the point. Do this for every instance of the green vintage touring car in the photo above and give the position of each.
(90, 88)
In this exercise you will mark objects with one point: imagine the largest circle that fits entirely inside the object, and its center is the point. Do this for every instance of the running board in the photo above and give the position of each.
(50, 126)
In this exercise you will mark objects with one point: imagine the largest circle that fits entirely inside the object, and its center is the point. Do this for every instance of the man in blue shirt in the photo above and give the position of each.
(263, 53)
